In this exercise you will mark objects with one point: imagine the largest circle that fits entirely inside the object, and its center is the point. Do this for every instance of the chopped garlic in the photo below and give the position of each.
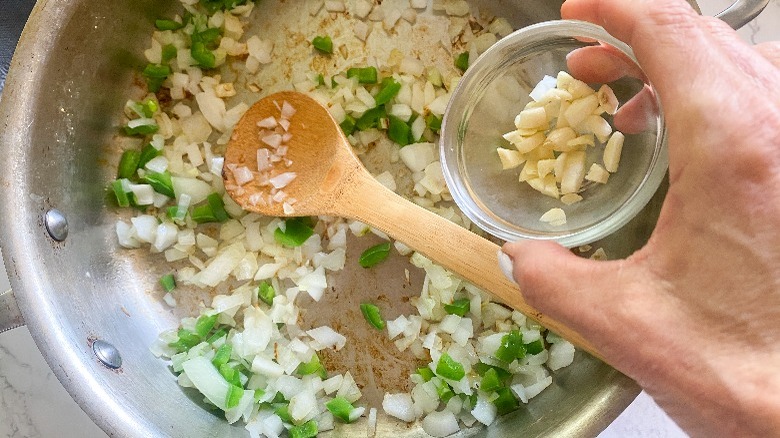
(533, 118)
(608, 102)
(558, 139)
(509, 158)
(571, 198)
(596, 125)
(596, 173)
(526, 144)
(554, 132)
(580, 109)
(613, 151)
(573, 172)
(555, 217)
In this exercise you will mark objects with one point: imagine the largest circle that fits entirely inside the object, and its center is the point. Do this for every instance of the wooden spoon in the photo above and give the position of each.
(332, 181)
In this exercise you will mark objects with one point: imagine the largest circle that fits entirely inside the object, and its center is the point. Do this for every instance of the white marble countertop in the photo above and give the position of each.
(34, 404)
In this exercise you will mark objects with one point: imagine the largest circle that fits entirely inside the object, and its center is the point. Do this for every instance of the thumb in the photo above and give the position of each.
(578, 292)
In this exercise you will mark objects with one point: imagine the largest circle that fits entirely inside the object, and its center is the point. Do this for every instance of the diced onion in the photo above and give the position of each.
(243, 175)
(282, 180)
(484, 411)
(399, 406)
(326, 337)
(440, 424)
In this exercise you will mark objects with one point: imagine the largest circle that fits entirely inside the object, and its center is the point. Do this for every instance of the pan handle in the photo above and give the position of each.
(10, 316)
(741, 12)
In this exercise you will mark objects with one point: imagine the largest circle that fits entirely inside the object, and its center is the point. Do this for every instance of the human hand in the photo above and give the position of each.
(694, 316)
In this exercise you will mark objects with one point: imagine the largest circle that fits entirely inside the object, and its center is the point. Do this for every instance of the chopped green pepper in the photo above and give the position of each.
(186, 340)
(283, 411)
(217, 206)
(399, 131)
(122, 197)
(470, 400)
(128, 164)
(348, 125)
(204, 324)
(374, 255)
(234, 396)
(506, 401)
(535, 347)
(213, 210)
(160, 182)
(175, 213)
(266, 293)
(230, 374)
(490, 381)
(370, 119)
(217, 335)
(203, 55)
(426, 373)
(149, 107)
(444, 391)
(458, 307)
(511, 347)
(482, 369)
(148, 153)
(389, 89)
(202, 214)
(372, 315)
(168, 282)
(223, 355)
(462, 61)
(142, 129)
(433, 122)
(296, 232)
(305, 430)
(169, 52)
(163, 24)
(323, 43)
(155, 75)
(340, 408)
(314, 366)
(449, 368)
(365, 75)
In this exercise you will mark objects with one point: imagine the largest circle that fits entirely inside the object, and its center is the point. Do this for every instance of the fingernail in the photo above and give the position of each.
(506, 265)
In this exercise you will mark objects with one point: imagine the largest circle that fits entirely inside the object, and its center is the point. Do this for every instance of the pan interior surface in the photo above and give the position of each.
(59, 118)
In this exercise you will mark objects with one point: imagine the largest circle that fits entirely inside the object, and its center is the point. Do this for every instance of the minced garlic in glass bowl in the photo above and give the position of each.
(531, 153)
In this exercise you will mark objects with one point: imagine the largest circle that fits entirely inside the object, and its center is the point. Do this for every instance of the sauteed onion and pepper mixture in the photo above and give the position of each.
(244, 349)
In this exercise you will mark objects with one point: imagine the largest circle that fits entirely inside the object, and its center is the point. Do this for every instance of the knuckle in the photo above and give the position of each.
(672, 16)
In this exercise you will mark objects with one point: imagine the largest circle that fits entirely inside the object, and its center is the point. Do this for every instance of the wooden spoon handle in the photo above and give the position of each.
(457, 249)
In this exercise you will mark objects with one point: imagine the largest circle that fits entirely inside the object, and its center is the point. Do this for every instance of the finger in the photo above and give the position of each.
(669, 38)
(575, 291)
(601, 63)
(638, 114)
(771, 51)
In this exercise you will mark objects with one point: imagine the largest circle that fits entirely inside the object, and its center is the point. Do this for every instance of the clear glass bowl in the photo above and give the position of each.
(482, 108)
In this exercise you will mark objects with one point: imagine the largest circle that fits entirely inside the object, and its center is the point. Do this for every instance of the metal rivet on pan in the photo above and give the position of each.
(56, 224)
(107, 354)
